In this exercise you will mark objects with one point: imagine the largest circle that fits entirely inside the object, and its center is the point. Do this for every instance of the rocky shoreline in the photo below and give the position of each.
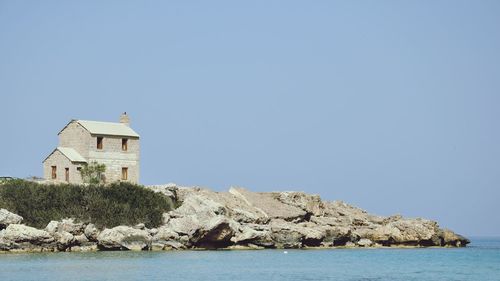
(238, 219)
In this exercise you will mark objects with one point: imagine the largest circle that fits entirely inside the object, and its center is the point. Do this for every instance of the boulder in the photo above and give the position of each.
(18, 236)
(194, 213)
(200, 206)
(7, 218)
(184, 225)
(66, 225)
(249, 235)
(64, 240)
(82, 240)
(216, 233)
(124, 238)
(166, 239)
(91, 232)
(364, 242)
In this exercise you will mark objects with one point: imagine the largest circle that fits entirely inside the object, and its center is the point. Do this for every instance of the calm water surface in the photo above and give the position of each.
(480, 261)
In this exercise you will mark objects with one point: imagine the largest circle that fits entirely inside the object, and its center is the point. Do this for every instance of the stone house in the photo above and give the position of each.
(115, 145)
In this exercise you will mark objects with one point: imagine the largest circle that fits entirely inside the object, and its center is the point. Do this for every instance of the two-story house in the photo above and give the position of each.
(115, 145)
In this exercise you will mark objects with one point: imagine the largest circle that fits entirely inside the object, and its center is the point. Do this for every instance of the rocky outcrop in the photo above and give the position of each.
(7, 218)
(24, 238)
(267, 206)
(238, 219)
(216, 233)
(124, 238)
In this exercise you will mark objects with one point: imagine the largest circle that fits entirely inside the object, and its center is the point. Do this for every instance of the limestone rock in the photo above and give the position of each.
(169, 190)
(290, 235)
(89, 248)
(124, 238)
(194, 213)
(65, 225)
(52, 227)
(253, 235)
(312, 204)
(236, 208)
(199, 205)
(347, 215)
(165, 239)
(332, 221)
(340, 236)
(268, 205)
(140, 226)
(450, 238)
(82, 240)
(7, 218)
(173, 245)
(216, 233)
(18, 236)
(64, 240)
(165, 218)
(364, 242)
(411, 232)
(91, 232)
(238, 219)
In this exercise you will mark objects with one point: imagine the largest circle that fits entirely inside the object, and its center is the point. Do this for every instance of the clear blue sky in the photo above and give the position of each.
(393, 106)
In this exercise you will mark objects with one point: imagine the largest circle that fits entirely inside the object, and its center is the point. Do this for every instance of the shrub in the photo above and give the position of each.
(93, 173)
(104, 205)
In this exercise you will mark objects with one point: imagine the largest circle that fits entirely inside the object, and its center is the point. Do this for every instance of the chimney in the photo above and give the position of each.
(124, 119)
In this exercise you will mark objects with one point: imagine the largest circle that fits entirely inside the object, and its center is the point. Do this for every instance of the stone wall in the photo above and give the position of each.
(115, 158)
(61, 162)
(76, 137)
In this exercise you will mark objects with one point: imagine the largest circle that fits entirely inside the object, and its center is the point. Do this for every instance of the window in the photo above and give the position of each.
(124, 174)
(99, 142)
(54, 172)
(66, 174)
(124, 144)
(79, 169)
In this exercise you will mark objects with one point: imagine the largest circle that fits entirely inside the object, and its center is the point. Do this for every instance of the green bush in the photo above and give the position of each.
(104, 205)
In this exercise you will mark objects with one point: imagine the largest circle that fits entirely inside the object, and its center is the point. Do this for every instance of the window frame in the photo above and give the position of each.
(124, 144)
(99, 144)
(66, 174)
(53, 172)
(124, 173)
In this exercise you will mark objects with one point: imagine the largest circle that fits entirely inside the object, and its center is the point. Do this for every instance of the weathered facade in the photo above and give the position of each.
(115, 145)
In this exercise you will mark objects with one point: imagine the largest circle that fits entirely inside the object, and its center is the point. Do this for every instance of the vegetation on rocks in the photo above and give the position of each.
(238, 219)
(109, 205)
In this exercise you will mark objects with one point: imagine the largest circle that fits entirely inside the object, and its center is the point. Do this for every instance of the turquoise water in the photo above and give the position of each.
(480, 261)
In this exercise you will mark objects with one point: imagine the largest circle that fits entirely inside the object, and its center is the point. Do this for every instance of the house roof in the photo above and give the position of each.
(106, 128)
(70, 153)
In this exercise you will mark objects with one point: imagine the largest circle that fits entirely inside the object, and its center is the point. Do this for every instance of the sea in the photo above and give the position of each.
(479, 261)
